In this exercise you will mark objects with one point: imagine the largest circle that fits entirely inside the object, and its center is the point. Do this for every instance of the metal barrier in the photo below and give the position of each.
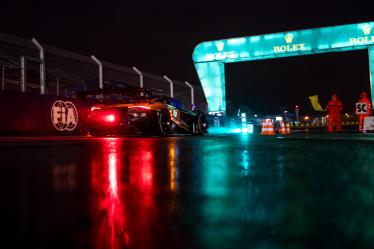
(322, 125)
(30, 66)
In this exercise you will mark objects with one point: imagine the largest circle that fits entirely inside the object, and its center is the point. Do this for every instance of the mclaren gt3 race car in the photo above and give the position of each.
(125, 112)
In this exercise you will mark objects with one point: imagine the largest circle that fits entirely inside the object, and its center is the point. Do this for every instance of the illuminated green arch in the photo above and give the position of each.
(209, 57)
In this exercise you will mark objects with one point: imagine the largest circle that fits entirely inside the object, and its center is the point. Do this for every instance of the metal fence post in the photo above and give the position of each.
(23, 74)
(192, 93)
(171, 86)
(101, 85)
(2, 77)
(140, 76)
(58, 85)
(42, 66)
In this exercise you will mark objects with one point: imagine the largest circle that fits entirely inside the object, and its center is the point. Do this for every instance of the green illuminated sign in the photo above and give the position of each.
(209, 57)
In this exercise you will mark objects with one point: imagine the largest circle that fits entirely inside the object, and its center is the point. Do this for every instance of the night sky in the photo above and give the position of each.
(159, 37)
(276, 85)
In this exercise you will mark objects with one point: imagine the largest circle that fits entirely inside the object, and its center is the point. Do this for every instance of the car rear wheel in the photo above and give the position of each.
(164, 123)
(197, 127)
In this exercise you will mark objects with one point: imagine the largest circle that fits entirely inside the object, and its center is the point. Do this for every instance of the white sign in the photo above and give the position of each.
(278, 118)
(361, 108)
(250, 128)
(216, 121)
(369, 124)
(64, 115)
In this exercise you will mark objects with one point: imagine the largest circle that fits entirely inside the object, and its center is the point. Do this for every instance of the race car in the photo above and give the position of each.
(138, 111)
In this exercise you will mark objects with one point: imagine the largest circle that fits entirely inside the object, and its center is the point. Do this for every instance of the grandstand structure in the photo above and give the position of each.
(65, 73)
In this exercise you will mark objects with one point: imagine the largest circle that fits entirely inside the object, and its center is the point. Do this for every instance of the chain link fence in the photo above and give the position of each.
(67, 72)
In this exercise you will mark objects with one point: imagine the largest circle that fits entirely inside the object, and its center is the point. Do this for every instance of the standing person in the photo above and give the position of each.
(334, 108)
(363, 99)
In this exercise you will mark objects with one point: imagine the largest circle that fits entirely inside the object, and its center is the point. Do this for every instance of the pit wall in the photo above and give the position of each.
(35, 114)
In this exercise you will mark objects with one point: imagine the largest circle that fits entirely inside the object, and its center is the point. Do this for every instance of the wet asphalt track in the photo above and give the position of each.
(216, 191)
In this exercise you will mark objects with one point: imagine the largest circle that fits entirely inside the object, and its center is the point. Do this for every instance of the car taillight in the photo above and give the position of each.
(105, 116)
(110, 118)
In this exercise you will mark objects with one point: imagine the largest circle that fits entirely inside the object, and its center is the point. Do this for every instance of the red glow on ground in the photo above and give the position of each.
(113, 175)
(111, 228)
(147, 170)
(123, 194)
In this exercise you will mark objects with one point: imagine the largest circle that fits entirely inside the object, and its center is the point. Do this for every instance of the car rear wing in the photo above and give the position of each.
(126, 91)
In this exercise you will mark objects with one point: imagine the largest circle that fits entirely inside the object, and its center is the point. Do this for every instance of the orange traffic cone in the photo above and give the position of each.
(282, 129)
(267, 128)
(288, 128)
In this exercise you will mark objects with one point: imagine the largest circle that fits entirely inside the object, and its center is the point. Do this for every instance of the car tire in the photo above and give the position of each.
(193, 128)
(173, 127)
(163, 123)
(199, 126)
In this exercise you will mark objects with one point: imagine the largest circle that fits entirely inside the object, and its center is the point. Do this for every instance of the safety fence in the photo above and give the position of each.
(65, 73)
(322, 125)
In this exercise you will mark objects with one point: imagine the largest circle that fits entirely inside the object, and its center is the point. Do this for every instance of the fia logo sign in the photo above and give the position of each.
(64, 115)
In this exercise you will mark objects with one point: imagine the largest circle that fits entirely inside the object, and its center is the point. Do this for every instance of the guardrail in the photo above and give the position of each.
(68, 72)
(319, 125)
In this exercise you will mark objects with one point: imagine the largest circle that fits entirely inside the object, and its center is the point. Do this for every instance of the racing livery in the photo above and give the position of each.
(137, 111)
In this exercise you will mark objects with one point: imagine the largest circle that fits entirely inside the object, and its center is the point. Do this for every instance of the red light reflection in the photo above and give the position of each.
(123, 202)
(172, 166)
(147, 171)
(110, 230)
(142, 191)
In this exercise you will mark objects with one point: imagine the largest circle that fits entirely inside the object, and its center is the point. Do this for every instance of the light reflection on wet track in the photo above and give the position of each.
(187, 192)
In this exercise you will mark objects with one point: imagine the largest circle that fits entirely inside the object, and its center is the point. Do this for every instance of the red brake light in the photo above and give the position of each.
(110, 118)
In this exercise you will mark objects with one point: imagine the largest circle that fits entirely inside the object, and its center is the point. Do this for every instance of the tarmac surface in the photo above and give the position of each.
(215, 191)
